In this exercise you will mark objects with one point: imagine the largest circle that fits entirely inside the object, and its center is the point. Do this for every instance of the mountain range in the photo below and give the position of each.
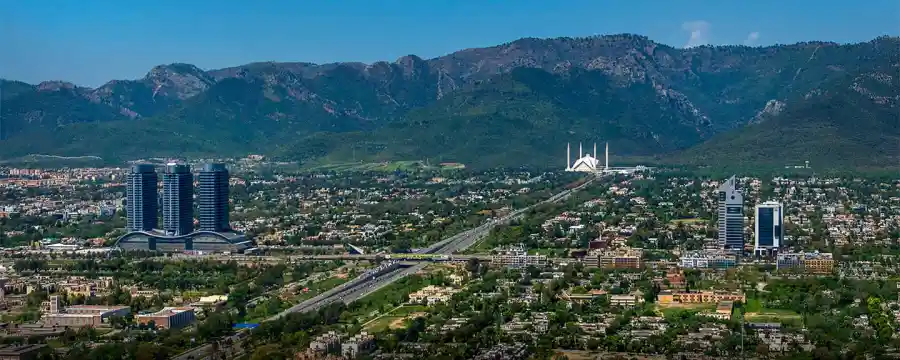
(508, 105)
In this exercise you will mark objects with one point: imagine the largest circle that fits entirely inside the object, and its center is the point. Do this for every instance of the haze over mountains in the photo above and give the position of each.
(508, 105)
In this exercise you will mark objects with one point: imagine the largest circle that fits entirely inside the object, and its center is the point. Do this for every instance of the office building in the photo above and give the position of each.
(620, 258)
(142, 198)
(625, 300)
(22, 352)
(213, 198)
(708, 259)
(698, 297)
(168, 318)
(178, 200)
(731, 216)
(516, 257)
(769, 231)
(810, 262)
(84, 315)
(177, 234)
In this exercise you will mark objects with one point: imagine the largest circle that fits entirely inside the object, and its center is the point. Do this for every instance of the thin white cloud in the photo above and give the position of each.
(699, 30)
(752, 38)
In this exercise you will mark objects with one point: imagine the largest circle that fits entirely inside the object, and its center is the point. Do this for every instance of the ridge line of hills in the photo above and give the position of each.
(507, 105)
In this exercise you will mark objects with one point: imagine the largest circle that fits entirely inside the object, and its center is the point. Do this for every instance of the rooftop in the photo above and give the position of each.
(168, 311)
(13, 350)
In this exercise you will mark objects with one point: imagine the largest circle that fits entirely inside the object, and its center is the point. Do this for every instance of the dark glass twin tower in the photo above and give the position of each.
(178, 199)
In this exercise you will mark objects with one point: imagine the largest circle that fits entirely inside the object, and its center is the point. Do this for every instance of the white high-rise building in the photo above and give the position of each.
(769, 231)
(731, 216)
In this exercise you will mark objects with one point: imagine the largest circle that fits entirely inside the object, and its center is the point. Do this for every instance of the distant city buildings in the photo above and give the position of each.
(516, 257)
(809, 262)
(769, 232)
(178, 235)
(731, 216)
(620, 258)
(698, 297)
(709, 259)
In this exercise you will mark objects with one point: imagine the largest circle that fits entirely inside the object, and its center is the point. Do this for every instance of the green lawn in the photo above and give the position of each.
(382, 324)
(676, 309)
(774, 316)
(753, 305)
(319, 287)
(400, 313)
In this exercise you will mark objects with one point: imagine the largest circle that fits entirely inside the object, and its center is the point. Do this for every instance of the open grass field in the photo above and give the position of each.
(396, 318)
(384, 323)
(755, 312)
(778, 315)
(675, 308)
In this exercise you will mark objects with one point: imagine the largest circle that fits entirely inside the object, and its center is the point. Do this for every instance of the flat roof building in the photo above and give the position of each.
(168, 318)
(686, 297)
(85, 315)
(21, 352)
(708, 259)
(516, 257)
(621, 258)
(809, 262)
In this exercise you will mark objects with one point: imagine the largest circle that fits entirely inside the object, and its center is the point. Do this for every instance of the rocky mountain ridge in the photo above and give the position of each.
(711, 89)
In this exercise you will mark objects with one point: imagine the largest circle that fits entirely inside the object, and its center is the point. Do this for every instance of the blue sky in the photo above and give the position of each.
(90, 42)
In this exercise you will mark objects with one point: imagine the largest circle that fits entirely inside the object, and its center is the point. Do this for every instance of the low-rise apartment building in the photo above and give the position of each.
(685, 297)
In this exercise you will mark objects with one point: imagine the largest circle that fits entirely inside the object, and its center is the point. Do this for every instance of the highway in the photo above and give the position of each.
(388, 273)
(348, 257)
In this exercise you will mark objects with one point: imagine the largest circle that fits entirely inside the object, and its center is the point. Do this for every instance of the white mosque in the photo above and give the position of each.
(586, 163)
(590, 164)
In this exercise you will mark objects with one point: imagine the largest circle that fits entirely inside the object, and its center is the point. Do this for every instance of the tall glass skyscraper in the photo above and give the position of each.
(178, 199)
(213, 198)
(769, 230)
(141, 198)
(731, 216)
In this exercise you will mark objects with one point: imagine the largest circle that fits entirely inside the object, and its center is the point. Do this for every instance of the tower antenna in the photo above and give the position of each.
(568, 156)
